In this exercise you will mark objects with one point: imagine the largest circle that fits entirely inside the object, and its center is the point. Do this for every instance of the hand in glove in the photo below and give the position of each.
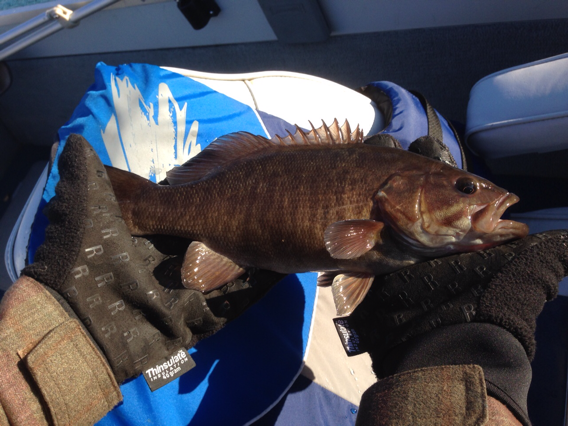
(107, 300)
(476, 308)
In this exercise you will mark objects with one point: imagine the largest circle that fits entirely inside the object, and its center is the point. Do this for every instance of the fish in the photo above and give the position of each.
(320, 200)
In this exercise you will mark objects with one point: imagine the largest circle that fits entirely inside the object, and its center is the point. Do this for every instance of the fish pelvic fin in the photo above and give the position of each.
(349, 290)
(349, 239)
(235, 146)
(128, 188)
(205, 270)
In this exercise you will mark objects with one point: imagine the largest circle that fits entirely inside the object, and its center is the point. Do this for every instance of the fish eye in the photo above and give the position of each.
(466, 185)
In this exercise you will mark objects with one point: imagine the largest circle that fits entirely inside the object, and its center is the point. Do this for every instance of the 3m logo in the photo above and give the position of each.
(348, 336)
(168, 369)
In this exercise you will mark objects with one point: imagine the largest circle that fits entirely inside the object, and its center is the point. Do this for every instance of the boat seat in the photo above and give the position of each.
(517, 120)
(520, 110)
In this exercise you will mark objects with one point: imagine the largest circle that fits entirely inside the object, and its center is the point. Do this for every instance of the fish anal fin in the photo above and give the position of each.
(349, 239)
(349, 290)
(205, 270)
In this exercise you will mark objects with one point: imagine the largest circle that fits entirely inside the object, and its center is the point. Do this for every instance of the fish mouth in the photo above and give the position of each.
(493, 230)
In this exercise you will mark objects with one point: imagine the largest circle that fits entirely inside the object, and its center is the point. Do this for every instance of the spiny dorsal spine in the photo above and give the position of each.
(324, 135)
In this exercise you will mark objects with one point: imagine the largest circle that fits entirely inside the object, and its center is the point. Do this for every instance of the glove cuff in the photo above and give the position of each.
(454, 393)
(52, 373)
(503, 359)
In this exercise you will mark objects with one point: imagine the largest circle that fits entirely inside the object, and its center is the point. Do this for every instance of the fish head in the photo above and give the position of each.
(447, 211)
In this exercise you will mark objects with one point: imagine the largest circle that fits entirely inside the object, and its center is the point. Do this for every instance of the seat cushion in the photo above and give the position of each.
(520, 110)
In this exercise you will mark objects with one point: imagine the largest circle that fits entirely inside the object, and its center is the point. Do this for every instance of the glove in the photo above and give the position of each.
(475, 308)
(122, 297)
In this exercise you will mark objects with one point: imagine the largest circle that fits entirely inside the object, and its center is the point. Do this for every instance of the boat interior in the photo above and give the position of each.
(440, 48)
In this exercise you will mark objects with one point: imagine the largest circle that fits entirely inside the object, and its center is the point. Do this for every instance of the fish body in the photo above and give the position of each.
(319, 201)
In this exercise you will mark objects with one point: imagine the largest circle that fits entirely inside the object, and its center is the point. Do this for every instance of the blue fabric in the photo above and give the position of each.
(242, 370)
(216, 113)
(275, 125)
(409, 121)
(309, 403)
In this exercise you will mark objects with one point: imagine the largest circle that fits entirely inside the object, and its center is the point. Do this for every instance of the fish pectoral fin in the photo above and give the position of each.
(205, 270)
(325, 279)
(349, 239)
(349, 290)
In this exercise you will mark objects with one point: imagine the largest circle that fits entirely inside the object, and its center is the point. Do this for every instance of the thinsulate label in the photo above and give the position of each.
(168, 369)
(348, 336)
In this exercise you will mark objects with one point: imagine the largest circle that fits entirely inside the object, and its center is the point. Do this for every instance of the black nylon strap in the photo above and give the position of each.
(435, 127)
(458, 139)
(384, 105)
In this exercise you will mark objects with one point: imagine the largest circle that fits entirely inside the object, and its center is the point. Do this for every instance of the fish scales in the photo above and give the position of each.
(317, 201)
(272, 206)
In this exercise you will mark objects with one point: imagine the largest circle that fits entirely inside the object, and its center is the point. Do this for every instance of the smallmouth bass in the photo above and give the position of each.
(314, 201)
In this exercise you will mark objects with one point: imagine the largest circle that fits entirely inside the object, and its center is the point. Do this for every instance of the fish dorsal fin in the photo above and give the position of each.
(234, 146)
(221, 152)
(324, 135)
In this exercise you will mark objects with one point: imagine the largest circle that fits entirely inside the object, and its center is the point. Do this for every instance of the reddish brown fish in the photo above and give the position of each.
(318, 201)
